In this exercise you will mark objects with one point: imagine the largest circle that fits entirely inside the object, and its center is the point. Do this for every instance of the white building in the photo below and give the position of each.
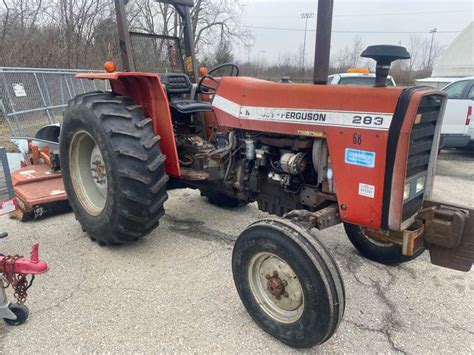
(456, 62)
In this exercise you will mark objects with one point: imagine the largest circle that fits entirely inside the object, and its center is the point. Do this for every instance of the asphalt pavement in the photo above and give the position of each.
(173, 291)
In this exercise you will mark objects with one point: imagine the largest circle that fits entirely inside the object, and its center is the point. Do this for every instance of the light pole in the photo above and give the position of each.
(433, 31)
(305, 16)
(261, 61)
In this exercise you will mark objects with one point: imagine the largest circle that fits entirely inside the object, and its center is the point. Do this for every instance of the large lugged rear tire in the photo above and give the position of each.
(112, 167)
(288, 282)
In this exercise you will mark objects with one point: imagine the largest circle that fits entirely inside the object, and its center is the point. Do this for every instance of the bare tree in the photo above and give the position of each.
(81, 33)
(77, 21)
(218, 20)
(213, 21)
(350, 55)
(424, 53)
(19, 27)
(432, 50)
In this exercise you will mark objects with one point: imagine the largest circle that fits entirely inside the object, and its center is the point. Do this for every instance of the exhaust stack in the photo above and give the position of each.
(323, 42)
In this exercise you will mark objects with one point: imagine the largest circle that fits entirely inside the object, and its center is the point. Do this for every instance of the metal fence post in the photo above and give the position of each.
(83, 88)
(50, 103)
(6, 173)
(68, 88)
(3, 112)
(63, 98)
(43, 99)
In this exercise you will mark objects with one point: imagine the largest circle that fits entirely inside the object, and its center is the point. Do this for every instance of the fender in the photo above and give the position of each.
(147, 91)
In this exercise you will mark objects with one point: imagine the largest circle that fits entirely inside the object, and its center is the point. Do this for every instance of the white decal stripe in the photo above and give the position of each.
(226, 105)
(363, 120)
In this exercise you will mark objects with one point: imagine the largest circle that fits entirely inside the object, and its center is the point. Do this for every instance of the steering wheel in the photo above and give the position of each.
(210, 89)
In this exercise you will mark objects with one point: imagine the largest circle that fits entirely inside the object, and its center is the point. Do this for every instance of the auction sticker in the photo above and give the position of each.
(367, 190)
(360, 157)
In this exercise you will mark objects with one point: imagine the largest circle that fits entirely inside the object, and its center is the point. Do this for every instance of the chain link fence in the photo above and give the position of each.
(31, 98)
(154, 53)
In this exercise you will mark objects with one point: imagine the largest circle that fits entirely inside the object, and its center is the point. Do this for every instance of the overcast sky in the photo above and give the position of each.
(352, 18)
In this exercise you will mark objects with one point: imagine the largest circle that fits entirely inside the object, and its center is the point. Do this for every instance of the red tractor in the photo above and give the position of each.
(315, 155)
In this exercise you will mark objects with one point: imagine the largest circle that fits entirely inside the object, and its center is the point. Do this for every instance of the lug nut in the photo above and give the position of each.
(267, 276)
(275, 273)
(284, 282)
(285, 294)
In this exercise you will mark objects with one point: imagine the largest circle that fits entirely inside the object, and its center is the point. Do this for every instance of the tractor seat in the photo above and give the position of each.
(191, 106)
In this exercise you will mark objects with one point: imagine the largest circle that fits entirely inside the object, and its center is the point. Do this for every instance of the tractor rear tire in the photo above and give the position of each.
(383, 253)
(112, 167)
(221, 200)
(288, 282)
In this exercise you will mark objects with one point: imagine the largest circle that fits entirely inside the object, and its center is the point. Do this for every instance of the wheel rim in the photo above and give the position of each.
(88, 173)
(276, 287)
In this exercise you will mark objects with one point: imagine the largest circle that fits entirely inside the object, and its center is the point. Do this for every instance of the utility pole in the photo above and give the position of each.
(261, 61)
(433, 31)
(305, 16)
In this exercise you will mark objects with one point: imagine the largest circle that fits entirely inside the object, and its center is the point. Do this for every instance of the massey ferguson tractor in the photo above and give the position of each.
(312, 156)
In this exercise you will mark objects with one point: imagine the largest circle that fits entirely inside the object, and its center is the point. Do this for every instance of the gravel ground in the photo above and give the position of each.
(173, 291)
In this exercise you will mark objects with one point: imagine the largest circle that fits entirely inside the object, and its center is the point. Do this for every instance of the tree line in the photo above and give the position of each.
(424, 54)
(83, 34)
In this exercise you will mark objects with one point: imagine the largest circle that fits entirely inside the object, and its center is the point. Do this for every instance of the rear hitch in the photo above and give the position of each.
(448, 234)
(13, 272)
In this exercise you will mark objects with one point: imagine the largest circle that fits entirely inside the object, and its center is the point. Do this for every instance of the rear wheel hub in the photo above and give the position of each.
(88, 173)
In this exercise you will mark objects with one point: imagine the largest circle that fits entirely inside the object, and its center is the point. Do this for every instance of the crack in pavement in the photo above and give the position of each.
(4, 332)
(391, 323)
(204, 256)
(390, 319)
(193, 228)
(71, 294)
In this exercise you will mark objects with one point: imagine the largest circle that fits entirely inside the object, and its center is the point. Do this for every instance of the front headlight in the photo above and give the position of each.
(420, 184)
(406, 192)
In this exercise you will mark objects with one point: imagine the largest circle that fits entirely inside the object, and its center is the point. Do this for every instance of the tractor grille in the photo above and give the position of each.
(419, 154)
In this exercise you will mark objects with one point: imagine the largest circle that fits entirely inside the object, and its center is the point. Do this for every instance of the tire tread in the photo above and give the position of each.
(138, 204)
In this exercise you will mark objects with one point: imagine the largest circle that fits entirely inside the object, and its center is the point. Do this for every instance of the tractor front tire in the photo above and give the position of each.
(288, 282)
(112, 167)
(383, 253)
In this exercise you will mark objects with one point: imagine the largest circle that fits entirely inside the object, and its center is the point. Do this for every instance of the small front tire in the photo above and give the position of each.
(288, 282)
